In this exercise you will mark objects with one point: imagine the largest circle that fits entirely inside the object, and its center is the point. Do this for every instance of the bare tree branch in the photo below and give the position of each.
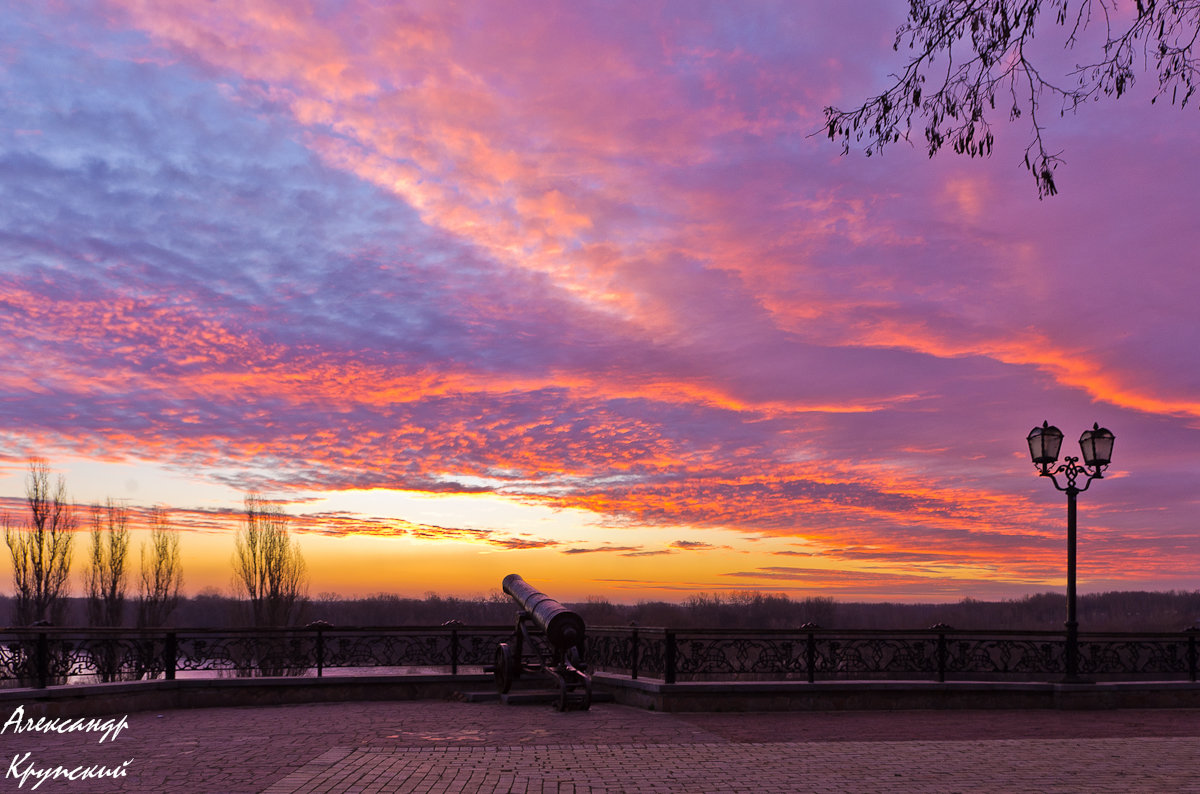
(985, 46)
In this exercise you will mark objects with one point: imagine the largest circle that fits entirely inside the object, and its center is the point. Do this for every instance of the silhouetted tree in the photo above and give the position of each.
(971, 55)
(106, 564)
(41, 549)
(161, 573)
(268, 566)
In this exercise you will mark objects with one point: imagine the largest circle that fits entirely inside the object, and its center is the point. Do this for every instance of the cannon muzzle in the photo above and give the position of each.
(564, 628)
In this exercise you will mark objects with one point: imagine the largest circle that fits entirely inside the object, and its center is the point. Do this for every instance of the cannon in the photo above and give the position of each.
(548, 640)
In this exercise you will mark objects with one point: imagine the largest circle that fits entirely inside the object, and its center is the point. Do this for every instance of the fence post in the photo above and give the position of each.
(453, 651)
(669, 658)
(1192, 651)
(319, 626)
(633, 654)
(941, 657)
(170, 655)
(943, 650)
(810, 652)
(42, 659)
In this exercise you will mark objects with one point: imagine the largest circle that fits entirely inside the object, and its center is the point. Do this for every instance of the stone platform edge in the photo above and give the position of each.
(895, 695)
(132, 696)
(135, 696)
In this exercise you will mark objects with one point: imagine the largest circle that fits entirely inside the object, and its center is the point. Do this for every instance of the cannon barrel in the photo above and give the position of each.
(564, 628)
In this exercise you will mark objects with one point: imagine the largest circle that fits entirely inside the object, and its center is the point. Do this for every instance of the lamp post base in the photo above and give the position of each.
(1072, 647)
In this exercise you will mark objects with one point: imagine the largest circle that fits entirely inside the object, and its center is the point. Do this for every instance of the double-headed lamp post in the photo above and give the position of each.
(1096, 445)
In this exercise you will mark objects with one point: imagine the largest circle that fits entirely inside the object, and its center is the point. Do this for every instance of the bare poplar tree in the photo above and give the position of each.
(41, 549)
(161, 573)
(106, 564)
(268, 566)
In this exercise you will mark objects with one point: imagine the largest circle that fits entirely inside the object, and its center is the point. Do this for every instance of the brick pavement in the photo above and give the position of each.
(436, 746)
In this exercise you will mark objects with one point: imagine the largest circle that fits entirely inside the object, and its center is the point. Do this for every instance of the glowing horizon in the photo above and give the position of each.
(573, 291)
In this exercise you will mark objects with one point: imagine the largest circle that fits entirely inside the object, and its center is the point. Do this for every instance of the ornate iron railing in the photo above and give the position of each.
(43, 656)
(937, 654)
(40, 657)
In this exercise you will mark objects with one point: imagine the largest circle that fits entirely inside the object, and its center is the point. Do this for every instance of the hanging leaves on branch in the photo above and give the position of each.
(972, 59)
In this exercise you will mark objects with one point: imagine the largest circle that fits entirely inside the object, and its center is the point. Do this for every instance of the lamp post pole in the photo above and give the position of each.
(1096, 445)
(1072, 620)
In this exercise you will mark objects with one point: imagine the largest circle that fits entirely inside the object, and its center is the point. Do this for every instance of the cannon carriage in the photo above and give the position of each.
(549, 641)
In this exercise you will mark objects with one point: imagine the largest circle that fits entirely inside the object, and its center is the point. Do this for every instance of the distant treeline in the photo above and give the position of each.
(1115, 611)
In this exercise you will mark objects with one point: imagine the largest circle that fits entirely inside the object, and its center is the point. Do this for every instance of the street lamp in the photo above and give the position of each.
(1096, 445)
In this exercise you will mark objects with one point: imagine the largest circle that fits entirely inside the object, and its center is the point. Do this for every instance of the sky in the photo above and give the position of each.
(573, 290)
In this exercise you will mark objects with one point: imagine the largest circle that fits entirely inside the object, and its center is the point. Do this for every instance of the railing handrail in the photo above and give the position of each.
(159, 630)
(930, 632)
(656, 630)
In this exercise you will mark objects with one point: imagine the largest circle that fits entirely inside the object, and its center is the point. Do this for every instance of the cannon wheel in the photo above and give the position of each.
(506, 667)
(563, 702)
(578, 698)
(583, 698)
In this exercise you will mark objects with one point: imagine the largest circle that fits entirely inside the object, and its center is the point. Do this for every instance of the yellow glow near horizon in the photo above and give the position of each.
(362, 543)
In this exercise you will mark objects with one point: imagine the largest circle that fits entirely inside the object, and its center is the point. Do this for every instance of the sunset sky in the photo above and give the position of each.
(571, 290)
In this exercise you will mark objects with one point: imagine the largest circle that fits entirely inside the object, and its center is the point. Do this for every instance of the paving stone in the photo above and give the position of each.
(436, 746)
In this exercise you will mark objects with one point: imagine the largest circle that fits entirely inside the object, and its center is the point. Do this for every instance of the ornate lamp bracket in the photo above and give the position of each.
(1071, 470)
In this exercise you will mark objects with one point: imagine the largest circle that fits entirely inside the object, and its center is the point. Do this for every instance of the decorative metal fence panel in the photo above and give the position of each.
(876, 656)
(1160, 656)
(43, 657)
(1011, 657)
(715, 656)
(245, 654)
(942, 655)
(40, 657)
